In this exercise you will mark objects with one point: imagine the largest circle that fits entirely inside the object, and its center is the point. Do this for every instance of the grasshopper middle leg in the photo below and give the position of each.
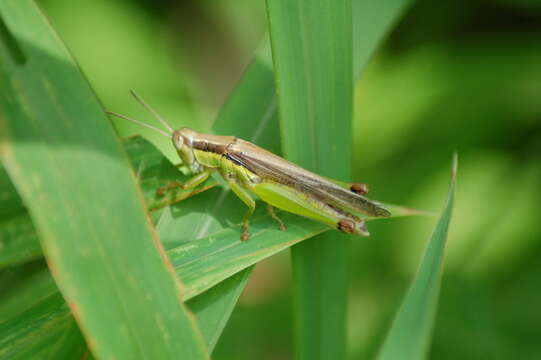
(249, 201)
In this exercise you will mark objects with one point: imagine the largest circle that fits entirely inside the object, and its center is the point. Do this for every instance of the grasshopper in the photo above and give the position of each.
(249, 169)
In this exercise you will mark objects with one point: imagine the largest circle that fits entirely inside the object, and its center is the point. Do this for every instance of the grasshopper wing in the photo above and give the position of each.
(271, 167)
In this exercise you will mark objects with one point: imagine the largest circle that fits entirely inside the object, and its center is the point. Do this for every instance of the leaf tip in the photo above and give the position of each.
(454, 166)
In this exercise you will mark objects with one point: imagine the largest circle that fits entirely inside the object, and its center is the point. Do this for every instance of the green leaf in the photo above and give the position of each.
(36, 321)
(312, 54)
(214, 307)
(203, 263)
(372, 20)
(46, 336)
(411, 331)
(69, 168)
(18, 239)
(254, 100)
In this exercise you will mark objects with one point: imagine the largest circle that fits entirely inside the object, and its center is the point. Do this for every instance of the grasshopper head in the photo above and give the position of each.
(183, 141)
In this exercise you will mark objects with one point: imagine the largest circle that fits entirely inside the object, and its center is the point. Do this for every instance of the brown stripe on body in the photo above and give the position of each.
(208, 146)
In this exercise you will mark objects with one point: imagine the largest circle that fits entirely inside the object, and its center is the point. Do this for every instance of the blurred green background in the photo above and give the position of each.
(453, 75)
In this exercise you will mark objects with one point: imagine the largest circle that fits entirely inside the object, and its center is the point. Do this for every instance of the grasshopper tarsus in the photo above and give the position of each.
(350, 226)
(245, 226)
(161, 191)
(346, 226)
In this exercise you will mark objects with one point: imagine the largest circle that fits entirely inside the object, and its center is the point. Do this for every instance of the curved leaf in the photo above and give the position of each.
(411, 331)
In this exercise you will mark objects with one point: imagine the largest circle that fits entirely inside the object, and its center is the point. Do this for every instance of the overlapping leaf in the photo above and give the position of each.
(69, 168)
(411, 332)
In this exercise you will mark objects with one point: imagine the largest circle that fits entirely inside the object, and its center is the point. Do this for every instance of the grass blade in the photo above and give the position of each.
(372, 20)
(253, 98)
(56, 142)
(214, 307)
(18, 240)
(411, 331)
(35, 319)
(312, 54)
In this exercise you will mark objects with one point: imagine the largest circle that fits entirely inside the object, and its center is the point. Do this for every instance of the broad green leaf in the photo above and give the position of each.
(312, 54)
(69, 168)
(203, 263)
(411, 331)
(18, 239)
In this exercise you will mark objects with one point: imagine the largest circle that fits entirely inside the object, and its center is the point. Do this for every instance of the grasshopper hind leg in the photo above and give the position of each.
(353, 226)
(296, 202)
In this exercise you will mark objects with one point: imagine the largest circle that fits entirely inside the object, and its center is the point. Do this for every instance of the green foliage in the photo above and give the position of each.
(68, 166)
(410, 334)
(218, 259)
(443, 80)
(312, 55)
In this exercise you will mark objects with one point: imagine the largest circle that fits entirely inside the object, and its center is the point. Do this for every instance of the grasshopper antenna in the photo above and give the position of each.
(151, 110)
(140, 123)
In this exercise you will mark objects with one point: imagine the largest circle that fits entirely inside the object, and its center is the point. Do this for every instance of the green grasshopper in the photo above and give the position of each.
(249, 169)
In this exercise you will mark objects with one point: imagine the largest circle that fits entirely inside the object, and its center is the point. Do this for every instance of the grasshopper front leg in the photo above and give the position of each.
(191, 183)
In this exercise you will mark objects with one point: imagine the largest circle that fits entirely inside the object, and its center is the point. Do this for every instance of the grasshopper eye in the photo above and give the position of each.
(178, 140)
